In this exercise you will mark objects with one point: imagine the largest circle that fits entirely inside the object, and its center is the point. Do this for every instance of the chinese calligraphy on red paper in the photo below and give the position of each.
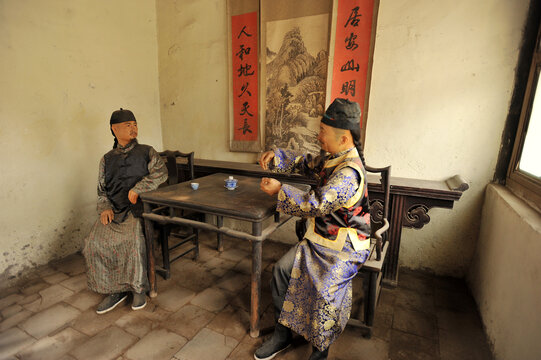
(352, 50)
(245, 76)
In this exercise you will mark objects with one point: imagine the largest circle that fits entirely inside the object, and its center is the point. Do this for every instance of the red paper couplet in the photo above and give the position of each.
(352, 50)
(245, 76)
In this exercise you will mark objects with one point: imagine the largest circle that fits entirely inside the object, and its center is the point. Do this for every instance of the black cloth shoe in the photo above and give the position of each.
(139, 301)
(110, 302)
(319, 355)
(280, 340)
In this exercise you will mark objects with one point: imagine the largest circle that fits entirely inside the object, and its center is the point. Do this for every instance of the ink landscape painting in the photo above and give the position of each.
(296, 75)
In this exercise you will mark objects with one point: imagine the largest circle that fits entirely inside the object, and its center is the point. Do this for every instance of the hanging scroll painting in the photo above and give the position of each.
(286, 67)
(244, 75)
(352, 47)
(295, 42)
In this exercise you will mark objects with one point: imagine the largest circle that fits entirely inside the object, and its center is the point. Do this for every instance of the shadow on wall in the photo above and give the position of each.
(65, 197)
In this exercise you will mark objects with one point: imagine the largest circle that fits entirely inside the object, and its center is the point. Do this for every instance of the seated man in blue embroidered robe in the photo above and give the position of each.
(115, 249)
(311, 284)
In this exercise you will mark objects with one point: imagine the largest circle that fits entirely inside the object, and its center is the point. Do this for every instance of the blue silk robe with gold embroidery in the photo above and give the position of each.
(318, 300)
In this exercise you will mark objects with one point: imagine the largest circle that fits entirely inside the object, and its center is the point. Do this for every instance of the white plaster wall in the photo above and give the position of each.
(441, 85)
(192, 43)
(505, 274)
(64, 67)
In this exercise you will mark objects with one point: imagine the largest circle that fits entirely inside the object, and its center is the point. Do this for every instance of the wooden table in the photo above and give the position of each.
(411, 200)
(247, 203)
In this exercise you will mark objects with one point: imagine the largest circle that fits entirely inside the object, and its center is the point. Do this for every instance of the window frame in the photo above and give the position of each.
(524, 185)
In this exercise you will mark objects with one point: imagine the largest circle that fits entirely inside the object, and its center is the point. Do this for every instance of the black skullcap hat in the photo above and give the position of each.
(343, 114)
(120, 116)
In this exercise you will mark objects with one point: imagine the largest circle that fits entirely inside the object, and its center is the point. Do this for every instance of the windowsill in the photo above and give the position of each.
(528, 213)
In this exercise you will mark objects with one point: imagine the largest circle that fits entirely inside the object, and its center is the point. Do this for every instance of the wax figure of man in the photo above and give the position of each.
(311, 284)
(115, 250)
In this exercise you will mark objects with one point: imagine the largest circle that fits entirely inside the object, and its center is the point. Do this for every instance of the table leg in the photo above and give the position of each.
(151, 266)
(219, 236)
(390, 271)
(257, 247)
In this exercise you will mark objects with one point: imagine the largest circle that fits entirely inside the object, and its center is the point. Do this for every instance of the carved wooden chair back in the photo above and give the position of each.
(379, 206)
(178, 174)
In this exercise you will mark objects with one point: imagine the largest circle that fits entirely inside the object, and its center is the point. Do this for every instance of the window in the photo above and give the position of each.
(524, 172)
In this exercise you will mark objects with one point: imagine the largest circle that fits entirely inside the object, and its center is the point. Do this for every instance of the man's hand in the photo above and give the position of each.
(132, 196)
(107, 216)
(270, 186)
(266, 157)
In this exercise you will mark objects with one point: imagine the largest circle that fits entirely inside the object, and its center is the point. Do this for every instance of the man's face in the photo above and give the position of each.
(328, 139)
(125, 131)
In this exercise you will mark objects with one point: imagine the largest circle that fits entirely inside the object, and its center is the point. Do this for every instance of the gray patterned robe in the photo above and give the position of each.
(116, 253)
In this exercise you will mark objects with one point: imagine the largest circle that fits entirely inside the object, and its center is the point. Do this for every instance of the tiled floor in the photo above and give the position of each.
(202, 313)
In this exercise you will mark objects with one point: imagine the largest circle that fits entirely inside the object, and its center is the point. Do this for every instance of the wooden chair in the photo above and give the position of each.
(178, 174)
(178, 235)
(371, 270)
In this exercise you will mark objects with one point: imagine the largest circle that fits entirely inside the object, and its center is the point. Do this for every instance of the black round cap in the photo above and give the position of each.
(343, 114)
(120, 116)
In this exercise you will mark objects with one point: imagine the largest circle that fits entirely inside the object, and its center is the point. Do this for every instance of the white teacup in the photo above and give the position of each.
(231, 183)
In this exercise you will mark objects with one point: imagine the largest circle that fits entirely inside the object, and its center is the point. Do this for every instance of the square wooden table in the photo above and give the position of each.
(247, 203)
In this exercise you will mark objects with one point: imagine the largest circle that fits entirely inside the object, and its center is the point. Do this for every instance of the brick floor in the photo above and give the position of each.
(202, 312)
(160, 344)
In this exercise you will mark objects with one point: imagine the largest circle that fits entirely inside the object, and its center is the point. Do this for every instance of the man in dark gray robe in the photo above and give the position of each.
(115, 249)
